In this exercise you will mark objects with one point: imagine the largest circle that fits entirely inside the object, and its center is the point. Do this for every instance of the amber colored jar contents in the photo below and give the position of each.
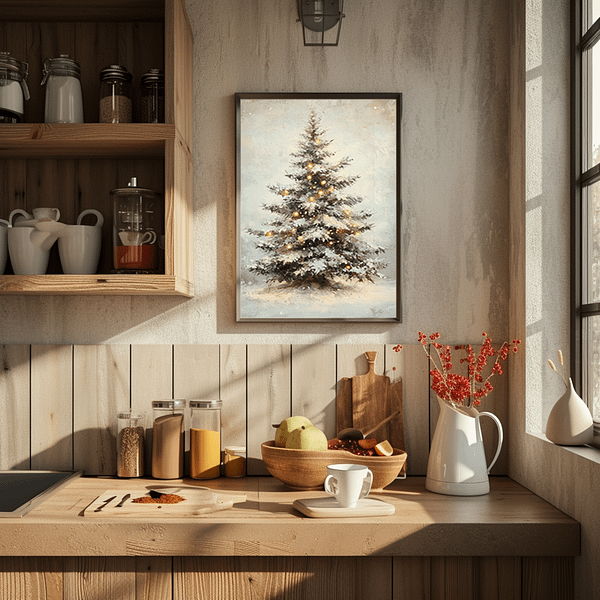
(205, 439)
(235, 461)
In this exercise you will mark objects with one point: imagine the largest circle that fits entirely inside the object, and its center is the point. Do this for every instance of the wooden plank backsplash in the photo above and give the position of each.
(60, 402)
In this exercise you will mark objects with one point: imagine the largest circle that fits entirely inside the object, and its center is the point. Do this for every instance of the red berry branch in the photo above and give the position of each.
(461, 389)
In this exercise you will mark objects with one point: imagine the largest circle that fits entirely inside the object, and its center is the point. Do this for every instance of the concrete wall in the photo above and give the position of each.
(450, 61)
(569, 478)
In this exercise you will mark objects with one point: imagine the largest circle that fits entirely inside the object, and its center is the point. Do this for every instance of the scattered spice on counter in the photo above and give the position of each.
(162, 499)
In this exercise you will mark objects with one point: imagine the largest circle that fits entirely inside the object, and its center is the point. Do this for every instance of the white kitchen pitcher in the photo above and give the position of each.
(457, 465)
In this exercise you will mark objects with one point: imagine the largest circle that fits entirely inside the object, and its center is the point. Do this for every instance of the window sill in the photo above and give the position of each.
(591, 452)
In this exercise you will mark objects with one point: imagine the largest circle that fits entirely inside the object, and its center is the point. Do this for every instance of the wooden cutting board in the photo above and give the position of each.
(198, 501)
(365, 400)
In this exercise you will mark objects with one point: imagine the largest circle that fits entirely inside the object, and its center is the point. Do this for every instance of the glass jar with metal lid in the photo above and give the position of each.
(153, 97)
(205, 439)
(234, 461)
(115, 95)
(130, 444)
(13, 88)
(168, 430)
(64, 101)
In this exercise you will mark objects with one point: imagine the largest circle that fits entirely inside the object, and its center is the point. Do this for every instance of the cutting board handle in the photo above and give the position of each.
(370, 356)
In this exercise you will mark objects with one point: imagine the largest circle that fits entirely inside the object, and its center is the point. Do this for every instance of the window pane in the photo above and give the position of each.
(595, 10)
(591, 66)
(589, 13)
(591, 253)
(591, 379)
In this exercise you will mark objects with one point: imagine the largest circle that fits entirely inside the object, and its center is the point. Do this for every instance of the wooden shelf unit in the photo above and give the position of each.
(75, 166)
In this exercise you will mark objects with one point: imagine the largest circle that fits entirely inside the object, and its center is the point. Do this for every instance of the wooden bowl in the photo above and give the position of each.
(307, 469)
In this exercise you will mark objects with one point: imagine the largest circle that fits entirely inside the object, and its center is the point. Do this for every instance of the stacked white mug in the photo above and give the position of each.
(79, 245)
(28, 252)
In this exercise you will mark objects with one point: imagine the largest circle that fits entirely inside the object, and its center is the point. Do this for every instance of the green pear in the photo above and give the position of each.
(307, 438)
(286, 427)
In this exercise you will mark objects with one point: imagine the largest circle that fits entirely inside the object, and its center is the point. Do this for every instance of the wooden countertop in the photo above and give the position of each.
(510, 521)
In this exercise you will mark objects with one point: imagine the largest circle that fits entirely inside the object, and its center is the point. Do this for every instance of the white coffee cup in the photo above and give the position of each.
(348, 483)
(26, 257)
(3, 244)
(79, 249)
(137, 238)
(46, 213)
(79, 246)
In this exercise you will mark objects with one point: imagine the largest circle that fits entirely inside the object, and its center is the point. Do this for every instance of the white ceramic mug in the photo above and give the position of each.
(137, 238)
(348, 483)
(79, 246)
(3, 245)
(26, 257)
(46, 213)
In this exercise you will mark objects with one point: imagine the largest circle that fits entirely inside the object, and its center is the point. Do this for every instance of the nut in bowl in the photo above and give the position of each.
(307, 469)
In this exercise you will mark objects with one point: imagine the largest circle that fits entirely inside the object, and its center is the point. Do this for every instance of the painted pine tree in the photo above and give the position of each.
(315, 238)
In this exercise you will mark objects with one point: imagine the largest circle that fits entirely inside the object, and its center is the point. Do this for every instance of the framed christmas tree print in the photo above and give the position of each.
(318, 207)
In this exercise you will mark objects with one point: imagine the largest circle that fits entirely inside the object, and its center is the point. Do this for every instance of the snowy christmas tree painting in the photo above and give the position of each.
(317, 241)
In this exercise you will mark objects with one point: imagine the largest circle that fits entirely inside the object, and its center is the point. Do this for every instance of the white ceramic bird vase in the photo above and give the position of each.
(570, 422)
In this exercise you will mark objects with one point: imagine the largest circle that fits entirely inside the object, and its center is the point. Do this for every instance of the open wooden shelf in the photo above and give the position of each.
(75, 166)
(58, 140)
(109, 285)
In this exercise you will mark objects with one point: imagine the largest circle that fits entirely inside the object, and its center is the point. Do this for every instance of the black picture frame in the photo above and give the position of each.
(318, 207)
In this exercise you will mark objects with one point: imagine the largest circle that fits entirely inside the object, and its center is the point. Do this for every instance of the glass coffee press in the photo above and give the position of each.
(138, 236)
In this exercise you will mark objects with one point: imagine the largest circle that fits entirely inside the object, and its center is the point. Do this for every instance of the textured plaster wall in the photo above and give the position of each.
(539, 305)
(450, 61)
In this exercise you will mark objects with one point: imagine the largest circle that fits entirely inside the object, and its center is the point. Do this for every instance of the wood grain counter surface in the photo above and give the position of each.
(510, 521)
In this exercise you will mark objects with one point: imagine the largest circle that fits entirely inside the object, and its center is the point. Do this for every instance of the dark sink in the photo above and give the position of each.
(20, 491)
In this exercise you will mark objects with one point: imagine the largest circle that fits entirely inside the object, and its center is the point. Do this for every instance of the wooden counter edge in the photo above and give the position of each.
(540, 530)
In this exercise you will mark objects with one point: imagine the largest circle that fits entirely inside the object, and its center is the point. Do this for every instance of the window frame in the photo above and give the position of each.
(582, 179)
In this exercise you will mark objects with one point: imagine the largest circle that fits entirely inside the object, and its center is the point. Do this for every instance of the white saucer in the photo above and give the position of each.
(328, 507)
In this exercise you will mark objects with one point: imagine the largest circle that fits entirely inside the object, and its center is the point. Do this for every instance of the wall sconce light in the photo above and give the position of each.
(321, 21)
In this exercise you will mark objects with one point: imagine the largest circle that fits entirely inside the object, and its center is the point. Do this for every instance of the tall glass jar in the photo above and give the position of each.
(64, 100)
(130, 444)
(153, 97)
(137, 229)
(205, 439)
(115, 95)
(167, 438)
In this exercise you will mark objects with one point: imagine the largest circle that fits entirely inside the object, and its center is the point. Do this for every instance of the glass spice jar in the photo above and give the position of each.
(205, 439)
(115, 95)
(235, 461)
(153, 97)
(168, 438)
(130, 444)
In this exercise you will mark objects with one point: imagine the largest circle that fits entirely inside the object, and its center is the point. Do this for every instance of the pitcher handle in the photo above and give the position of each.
(500, 437)
(18, 211)
(91, 211)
